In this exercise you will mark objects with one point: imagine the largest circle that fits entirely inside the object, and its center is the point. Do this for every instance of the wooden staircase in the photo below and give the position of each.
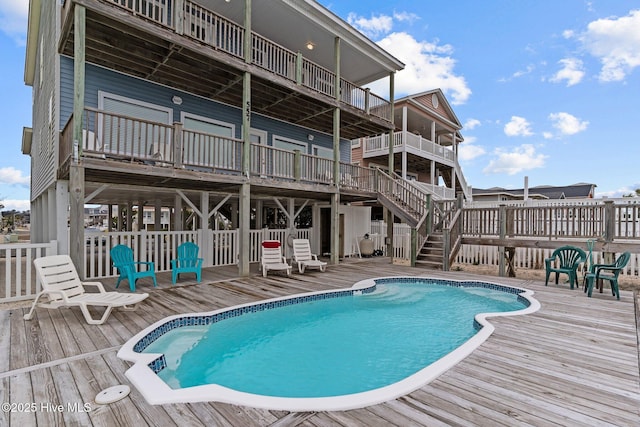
(432, 252)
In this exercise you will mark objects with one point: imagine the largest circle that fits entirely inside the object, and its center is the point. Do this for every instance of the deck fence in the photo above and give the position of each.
(17, 274)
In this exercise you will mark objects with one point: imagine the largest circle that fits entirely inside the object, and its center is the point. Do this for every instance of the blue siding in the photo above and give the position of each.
(101, 79)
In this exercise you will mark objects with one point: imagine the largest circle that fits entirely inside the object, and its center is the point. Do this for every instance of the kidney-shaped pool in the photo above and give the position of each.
(335, 350)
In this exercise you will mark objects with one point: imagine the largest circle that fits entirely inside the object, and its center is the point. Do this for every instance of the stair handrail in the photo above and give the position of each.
(451, 231)
(462, 180)
(400, 189)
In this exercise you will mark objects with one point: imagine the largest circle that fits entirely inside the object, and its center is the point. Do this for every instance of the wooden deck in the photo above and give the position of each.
(574, 362)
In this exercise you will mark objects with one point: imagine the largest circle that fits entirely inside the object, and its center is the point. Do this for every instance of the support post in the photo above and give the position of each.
(502, 223)
(335, 228)
(62, 204)
(243, 229)
(609, 230)
(178, 223)
(414, 246)
(76, 171)
(76, 217)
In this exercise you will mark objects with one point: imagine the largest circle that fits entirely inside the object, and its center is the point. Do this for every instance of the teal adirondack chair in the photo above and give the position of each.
(568, 259)
(187, 261)
(122, 259)
(596, 274)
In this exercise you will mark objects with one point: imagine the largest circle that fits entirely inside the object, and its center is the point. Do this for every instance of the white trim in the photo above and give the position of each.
(157, 392)
(356, 143)
(290, 141)
(262, 134)
(315, 148)
(185, 114)
(102, 95)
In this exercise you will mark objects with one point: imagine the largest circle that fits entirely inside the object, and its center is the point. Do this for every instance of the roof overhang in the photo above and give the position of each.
(27, 137)
(295, 23)
(33, 30)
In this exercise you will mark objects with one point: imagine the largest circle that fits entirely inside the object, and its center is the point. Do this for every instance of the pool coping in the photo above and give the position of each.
(143, 373)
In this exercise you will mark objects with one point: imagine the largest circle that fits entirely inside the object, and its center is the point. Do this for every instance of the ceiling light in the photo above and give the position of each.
(310, 45)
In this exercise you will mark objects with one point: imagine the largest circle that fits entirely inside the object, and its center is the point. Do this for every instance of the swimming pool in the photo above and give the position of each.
(330, 350)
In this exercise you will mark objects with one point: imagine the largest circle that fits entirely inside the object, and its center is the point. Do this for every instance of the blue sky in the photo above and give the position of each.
(544, 88)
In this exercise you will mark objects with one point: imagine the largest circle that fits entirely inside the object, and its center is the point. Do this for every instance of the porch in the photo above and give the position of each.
(422, 159)
(574, 362)
(189, 46)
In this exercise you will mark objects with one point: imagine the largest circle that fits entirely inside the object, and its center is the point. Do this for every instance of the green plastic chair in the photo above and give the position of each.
(568, 259)
(122, 259)
(187, 261)
(614, 270)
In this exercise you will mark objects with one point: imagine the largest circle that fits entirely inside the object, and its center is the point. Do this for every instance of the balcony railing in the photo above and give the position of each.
(119, 137)
(195, 21)
(379, 145)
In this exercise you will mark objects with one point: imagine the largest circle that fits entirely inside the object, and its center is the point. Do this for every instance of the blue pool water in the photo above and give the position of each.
(330, 347)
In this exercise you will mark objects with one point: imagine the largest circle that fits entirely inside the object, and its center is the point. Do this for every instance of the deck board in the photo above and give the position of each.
(575, 362)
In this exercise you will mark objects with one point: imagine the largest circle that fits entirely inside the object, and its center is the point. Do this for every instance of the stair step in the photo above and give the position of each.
(431, 253)
(429, 264)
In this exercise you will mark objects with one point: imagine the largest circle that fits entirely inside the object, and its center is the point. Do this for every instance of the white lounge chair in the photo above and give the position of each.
(272, 258)
(62, 286)
(303, 256)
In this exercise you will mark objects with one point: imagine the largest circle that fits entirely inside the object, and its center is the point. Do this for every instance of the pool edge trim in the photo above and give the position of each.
(156, 391)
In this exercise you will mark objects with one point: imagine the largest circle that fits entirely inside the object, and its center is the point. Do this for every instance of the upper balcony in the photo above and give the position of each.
(378, 145)
(199, 47)
(119, 149)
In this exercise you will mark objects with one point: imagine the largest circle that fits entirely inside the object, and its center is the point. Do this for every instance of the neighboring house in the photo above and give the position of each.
(200, 106)
(543, 192)
(425, 145)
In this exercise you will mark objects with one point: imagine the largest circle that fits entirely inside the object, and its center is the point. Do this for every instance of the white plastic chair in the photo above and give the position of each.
(272, 258)
(62, 286)
(303, 256)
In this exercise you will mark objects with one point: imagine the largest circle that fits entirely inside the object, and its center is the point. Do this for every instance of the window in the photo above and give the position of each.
(135, 127)
(323, 168)
(282, 163)
(208, 142)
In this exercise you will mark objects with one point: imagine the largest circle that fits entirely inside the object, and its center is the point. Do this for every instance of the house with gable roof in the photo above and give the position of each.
(206, 107)
(425, 146)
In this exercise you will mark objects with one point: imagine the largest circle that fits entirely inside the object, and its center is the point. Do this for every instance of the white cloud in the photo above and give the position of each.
(547, 135)
(615, 42)
(406, 17)
(567, 124)
(528, 70)
(11, 175)
(519, 159)
(620, 192)
(471, 124)
(468, 151)
(18, 205)
(371, 27)
(518, 126)
(13, 19)
(572, 72)
(427, 66)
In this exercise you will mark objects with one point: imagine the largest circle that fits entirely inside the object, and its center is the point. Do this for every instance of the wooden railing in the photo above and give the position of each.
(119, 136)
(210, 151)
(195, 21)
(358, 178)
(411, 199)
(431, 150)
(17, 273)
(603, 219)
(160, 247)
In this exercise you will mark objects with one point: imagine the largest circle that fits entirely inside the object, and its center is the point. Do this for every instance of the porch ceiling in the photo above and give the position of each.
(142, 49)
